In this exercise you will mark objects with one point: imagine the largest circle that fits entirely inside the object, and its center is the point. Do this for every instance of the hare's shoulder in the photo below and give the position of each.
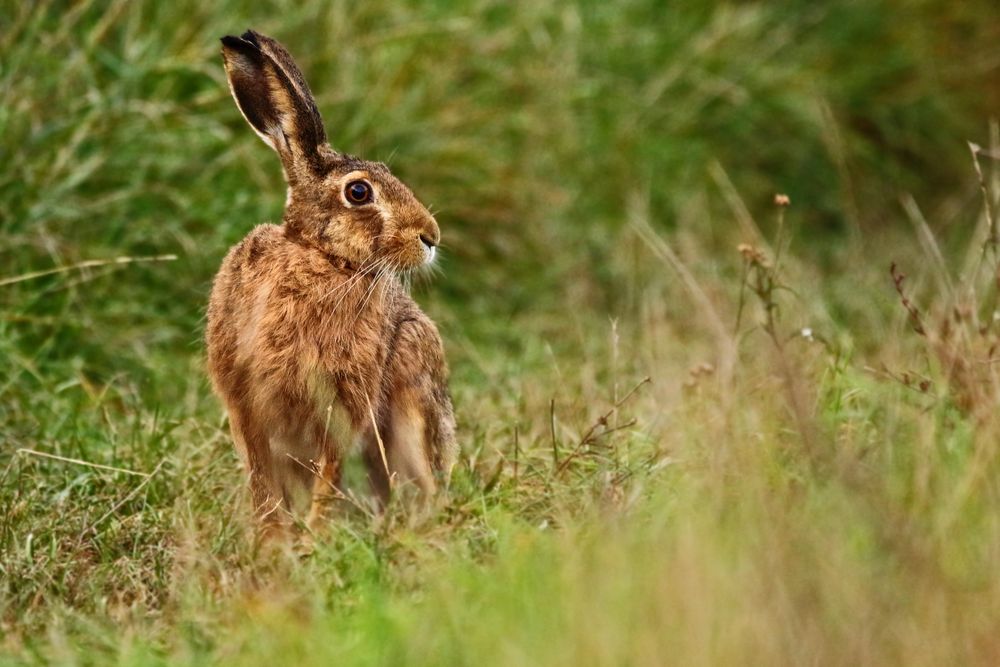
(244, 271)
(256, 248)
(254, 265)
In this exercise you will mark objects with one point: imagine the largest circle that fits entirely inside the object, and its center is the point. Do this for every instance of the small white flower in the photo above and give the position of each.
(807, 333)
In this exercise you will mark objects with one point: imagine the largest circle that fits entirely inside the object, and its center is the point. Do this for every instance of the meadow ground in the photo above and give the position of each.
(697, 426)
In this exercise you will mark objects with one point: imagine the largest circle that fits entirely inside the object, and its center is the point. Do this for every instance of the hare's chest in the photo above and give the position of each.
(332, 414)
(349, 373)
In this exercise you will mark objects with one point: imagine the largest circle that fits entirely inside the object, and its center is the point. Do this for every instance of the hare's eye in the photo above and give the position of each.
(358, 192)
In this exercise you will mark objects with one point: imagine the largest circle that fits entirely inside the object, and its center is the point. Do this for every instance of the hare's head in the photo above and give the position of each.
(347, 208)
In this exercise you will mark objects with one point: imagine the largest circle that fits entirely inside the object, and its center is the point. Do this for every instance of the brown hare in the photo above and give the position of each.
(313, 343)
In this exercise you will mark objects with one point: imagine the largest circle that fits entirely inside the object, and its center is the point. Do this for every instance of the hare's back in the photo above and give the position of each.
(245, 277)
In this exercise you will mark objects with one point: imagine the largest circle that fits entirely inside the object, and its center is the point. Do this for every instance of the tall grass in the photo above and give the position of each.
(808, 476)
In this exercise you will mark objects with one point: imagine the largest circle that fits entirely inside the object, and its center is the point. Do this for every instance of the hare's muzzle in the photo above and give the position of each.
(429, 236)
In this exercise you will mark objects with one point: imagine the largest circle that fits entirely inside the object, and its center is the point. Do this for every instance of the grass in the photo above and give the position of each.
(809, 475)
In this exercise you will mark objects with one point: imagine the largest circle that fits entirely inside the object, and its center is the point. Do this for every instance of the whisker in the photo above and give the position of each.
(357, 275)
(354, 280)
(386, 271)
(368, 294)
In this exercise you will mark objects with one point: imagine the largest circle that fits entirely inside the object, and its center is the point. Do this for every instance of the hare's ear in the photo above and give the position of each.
(274, 98)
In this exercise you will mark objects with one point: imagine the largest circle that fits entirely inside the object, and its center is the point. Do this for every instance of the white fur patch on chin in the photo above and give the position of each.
(429, 254)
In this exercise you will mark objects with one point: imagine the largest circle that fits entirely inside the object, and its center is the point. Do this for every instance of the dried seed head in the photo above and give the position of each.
(704, 368)
(752, 254)
(781, 200)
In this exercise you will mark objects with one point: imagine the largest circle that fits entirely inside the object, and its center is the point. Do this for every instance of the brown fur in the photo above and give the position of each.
(312, 341)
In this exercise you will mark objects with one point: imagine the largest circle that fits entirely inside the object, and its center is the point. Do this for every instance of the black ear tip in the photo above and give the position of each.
(251, 37)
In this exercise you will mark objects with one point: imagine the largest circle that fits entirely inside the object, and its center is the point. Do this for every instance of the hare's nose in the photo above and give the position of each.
(428, 241)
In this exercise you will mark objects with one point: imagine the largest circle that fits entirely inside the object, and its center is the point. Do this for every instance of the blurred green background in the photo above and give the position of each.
(554, 140)
(529, 126)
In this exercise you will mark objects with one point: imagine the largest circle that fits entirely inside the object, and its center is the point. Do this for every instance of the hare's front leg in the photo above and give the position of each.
(326, 483)
(265, 493)
(417, 426)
